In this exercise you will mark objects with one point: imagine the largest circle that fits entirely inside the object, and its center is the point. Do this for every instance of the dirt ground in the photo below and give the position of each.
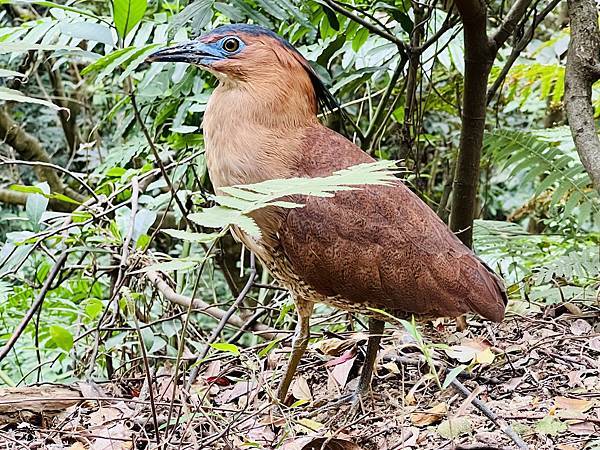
(539, 374)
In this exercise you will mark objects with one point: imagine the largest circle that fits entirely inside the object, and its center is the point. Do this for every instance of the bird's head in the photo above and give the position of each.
(246, 54)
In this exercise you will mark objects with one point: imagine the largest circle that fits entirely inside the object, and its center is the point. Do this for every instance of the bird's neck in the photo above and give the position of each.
(254, 132)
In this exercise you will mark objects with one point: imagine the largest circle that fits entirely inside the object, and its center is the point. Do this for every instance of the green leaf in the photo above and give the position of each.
(454, 427)
(11, 95)
(270, 346)
(61, 337)
(451, 376)
(182, 264)
(360, 38)
(106, 60)
(550, 426)
(36, 205)
(191, 237)
(27, 189)
(127, 14)
(116, 172)
(50, 4)
(11, 73)
(93, 307)
(142, 242)
(225, 347)
(199, 12)
(64, 198)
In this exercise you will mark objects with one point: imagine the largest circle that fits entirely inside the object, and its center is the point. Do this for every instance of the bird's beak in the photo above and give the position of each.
(192, 52)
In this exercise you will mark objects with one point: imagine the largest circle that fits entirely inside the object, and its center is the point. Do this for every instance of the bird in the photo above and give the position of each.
(377, 250)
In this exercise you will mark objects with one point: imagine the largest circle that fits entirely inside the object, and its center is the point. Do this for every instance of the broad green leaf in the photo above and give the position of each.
(49, 4)
(12, 95)
(36, 205)
(61, 337)
(225, 347)
(93, 307)
(89, 31)
(360, 38)
(127, 14)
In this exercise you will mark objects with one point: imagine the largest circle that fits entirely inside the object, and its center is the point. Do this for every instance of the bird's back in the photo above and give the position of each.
(381, 247)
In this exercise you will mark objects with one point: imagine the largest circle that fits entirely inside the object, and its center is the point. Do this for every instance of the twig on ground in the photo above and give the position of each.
(465, 392)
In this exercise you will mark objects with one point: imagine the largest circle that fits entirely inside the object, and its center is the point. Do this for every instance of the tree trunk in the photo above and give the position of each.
(478, 63)
(480, 52)
(583, 69)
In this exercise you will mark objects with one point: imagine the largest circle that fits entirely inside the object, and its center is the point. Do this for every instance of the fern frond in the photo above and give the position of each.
(547, 159)
(234, 207)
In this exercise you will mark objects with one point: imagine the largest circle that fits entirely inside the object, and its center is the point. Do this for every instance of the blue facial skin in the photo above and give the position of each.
(198, 53)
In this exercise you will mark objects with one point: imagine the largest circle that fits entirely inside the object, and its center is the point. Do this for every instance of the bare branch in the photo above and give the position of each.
(583, 57)
(35, 306)
(519, 47)
(513, 17)
(212, 311)
(366, 24)
(29, 148)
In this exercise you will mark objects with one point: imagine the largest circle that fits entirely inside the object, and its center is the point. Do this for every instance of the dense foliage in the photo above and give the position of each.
(105, 193)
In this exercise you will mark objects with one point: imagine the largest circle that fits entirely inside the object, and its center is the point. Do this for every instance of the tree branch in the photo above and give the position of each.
(518, 48)
(10, 197)
(29, 148)
(480, 53)
(583, 57)
(513, 17)
(34, 307)
(212, 311)
(366, 24)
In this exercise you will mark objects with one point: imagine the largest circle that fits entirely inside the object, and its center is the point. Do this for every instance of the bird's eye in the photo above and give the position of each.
(231, 44)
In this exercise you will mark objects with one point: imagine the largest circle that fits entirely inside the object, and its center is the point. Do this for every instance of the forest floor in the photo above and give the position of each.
(538, 373)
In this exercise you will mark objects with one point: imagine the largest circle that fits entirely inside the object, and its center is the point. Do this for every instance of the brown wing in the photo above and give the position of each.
(385, 247)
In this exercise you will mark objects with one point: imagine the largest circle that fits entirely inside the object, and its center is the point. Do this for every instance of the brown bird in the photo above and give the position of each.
(379, 247)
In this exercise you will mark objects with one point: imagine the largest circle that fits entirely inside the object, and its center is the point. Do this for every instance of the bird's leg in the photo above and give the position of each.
(376, 327)
(299, 344)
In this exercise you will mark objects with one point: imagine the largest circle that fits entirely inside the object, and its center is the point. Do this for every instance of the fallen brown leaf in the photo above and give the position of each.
(240, 388)
(341, 372)
(583, 428)
(580, 327)
(115, 437)
(429, 417)
(301, 390)
(573, 404)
